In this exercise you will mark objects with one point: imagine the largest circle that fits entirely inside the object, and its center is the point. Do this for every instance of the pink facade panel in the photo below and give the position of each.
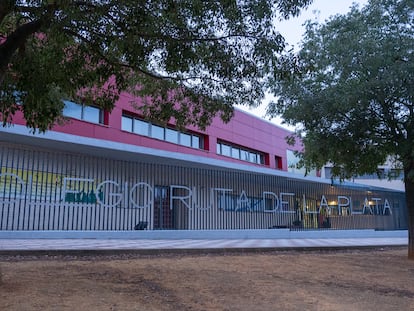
(244, 131)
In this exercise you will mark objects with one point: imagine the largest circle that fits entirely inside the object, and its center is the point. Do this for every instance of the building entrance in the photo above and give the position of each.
(163, 214)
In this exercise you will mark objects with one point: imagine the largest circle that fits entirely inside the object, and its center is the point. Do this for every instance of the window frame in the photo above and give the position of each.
(192, 140)
(240, 153)
(82, 109)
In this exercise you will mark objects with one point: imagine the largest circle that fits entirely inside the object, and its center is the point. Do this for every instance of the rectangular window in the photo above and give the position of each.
(157, 132)
(253, 157)
(92, 114)
(196, 142)
(72, 110)
(244, 155)
(185, 139)
(292, 160)
(126, 124)
(171, 136)
(241, 154)
(83, 112)
(225, 150)
(141, 127)
(292, 163)
(235, 152)
(278, 162)
(260, 159)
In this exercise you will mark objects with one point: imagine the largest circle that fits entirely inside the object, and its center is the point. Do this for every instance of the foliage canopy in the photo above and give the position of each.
(352, 93)
(213, 54)
(351, 89)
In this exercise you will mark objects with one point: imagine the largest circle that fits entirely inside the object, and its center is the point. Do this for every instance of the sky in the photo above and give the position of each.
(293, 29)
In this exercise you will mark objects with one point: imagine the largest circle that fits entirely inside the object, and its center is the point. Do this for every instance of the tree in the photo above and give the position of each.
(351, 93)
(206, 55)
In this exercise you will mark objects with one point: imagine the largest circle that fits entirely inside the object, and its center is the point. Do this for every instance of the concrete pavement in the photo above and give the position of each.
(156, 245)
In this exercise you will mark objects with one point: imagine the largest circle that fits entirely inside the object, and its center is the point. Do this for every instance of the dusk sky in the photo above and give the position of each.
(293, 30)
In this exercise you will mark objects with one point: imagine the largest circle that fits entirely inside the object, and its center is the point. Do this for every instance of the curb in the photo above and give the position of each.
(52, 253)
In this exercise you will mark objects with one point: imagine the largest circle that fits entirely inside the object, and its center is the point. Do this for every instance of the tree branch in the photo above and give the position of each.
(14, 41)
(135, 68)
(5, 8)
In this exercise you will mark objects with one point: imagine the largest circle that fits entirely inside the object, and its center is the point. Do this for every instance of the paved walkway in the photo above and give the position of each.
(145, 245)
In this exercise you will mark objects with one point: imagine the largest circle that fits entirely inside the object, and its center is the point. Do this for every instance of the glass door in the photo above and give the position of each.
(163, 214)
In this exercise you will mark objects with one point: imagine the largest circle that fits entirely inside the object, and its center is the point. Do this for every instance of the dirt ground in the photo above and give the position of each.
(378, 279)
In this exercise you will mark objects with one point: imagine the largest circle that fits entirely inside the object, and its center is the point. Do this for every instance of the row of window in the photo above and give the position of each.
(236, 152)
(389, 173)
(134, 125)
(83, 112)
(145, 128)
(142, 127)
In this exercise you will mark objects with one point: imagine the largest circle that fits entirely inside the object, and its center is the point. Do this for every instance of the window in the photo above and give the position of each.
(190, 140)
(253, 157)
(225, 150)
(142, 127)
(126, 124)
(240, 153)
(245, 155)
(382, 173)
(185, 139)
(260, 158)
(292, 163)
(72, 110)
(137, 126)
(157, 132)
(235, 152)
(83, 112)
(196, 142)
(279, 163)
(91, 114)
(171, 136)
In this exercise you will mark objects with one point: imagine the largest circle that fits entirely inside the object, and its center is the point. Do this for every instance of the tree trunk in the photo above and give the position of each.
(409, 199)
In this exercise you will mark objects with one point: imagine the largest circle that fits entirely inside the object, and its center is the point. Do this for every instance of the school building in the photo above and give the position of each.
(115, 171)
